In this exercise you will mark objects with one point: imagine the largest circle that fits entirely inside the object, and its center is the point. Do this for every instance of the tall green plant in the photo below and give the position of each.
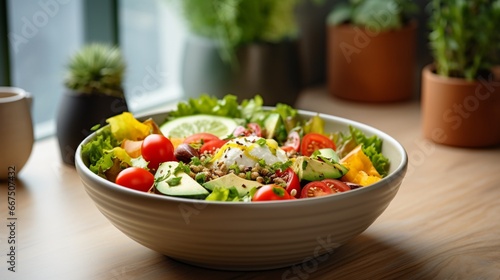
(464, 37)
(237, 22)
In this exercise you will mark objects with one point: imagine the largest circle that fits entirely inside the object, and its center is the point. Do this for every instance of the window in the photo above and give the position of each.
(151, 37)
(40, 36)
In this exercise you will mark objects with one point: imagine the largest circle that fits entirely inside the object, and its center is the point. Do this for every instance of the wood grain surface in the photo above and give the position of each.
(443, 224)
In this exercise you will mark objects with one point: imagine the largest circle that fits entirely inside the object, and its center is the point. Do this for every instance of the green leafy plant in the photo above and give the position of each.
(464, 37)
(237, 22)
(96, 69)
(380, 14)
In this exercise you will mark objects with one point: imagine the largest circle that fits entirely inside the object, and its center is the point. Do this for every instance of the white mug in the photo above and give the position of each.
(16, 130)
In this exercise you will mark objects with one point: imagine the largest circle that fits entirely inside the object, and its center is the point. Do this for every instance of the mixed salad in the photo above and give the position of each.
(223, 150)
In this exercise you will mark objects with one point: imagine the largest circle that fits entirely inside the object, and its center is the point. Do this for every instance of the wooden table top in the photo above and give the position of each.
(443, 223)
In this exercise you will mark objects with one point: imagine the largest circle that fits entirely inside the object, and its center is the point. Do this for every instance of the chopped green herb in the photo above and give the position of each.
(174, 181)
(279, 191)
(235, 167)
(261, 142)
(196, 161)
(200, 177)
(95, 127)
(182, 167)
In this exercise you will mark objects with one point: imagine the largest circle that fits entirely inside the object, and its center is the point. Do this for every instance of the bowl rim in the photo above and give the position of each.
(397, 173)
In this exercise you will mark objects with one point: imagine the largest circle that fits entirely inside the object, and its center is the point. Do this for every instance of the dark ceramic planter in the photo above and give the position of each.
(311, 18)
(268, 69)
(78, 113)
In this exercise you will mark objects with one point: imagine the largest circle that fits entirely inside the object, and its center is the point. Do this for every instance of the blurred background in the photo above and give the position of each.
(38, 36)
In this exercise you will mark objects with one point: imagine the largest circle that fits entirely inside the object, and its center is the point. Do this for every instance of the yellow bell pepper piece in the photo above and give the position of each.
(176, 141)
(125, 126)
(361, 169)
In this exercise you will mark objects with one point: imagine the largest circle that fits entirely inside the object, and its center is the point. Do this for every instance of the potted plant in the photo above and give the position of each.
(243, 47)
(461, 89)
(311, 16)
(94, 93)
(371, 53)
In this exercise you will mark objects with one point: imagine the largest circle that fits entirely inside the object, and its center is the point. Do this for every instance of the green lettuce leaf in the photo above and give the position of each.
(379, 161)
(289, 120)
(227, 106)
(372, 147)
(94, 153)
(230, 194)
(251, 109)
(223, 194)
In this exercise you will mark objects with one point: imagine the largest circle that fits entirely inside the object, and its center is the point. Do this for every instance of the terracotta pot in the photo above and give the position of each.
(268, 69)
(370, 66)
(461, 113)
(78, 113)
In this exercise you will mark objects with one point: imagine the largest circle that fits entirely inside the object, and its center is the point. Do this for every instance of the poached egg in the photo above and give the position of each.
(248, 151)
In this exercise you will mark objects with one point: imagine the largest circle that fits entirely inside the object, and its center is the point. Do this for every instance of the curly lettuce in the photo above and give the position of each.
(204, 104)
(94, 153)
(371, 146)
(103, 154)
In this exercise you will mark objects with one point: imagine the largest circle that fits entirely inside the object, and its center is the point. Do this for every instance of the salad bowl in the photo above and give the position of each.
(248, 236)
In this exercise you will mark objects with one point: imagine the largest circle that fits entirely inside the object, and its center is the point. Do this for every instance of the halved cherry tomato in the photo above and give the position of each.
(271, 192)
(336, 185)
(212, 146)
(315, 141)
(315, 189)
(135, 178)
(292, 142)
(156, 149)
(292, 181)
(250, 129)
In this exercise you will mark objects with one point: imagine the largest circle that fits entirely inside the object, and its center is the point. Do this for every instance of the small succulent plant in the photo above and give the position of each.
(96, 69)
(380, 14)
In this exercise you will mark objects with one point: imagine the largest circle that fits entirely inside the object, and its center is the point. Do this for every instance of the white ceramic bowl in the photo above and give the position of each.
(248, 236)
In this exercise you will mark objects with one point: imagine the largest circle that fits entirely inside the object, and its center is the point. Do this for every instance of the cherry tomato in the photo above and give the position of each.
(200, 138)
(315, 189)
(336, 185)
(292, 142)
(271, 192)
(292, 181)
(250, 129)
(315, 141)
(135, 178)
(156, 149)
(212, 145)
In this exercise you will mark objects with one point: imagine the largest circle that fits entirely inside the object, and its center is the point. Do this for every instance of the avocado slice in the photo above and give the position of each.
(243, 186)
(310, 169)
(271, 123)
(327, 155)
(181, 184)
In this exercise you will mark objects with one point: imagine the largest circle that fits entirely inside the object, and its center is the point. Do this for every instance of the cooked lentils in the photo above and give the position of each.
(261, 174)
